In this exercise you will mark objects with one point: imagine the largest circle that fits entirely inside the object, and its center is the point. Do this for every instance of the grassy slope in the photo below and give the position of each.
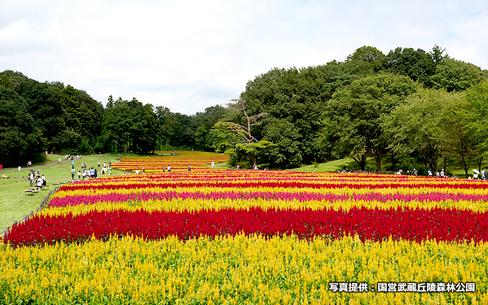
(14, 203)
(335, 165)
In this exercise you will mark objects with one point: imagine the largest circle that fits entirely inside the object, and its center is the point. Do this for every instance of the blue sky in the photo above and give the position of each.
(189, 55)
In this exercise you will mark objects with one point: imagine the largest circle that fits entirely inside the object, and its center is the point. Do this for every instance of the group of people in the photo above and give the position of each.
(91, 173)
(36, 179)
(167, 169)
(440, 174)
(478, 175)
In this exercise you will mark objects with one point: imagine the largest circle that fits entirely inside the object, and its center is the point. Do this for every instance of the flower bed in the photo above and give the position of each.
(246, 237)
(179, 161)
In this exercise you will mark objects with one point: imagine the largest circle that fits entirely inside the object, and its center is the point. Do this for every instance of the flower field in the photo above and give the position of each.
(177, 162)
(252, 237)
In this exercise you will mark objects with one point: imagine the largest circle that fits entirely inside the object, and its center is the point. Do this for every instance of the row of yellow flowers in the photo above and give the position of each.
(243, 270)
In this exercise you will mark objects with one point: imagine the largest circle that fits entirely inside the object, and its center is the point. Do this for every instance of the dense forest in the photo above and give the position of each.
(411, 107)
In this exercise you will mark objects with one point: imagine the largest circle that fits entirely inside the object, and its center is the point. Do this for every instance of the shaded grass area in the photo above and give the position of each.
(327, 167)
(332, 166)
(14, 203)
(223, 165)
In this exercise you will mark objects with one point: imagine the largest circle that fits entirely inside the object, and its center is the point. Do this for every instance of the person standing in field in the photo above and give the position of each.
(31, 178)
(73, 174)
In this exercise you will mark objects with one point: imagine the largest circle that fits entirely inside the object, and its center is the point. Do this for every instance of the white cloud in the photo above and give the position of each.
(189, 55)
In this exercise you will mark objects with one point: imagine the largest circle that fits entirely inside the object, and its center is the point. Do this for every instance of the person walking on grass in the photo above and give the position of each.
(73, 175)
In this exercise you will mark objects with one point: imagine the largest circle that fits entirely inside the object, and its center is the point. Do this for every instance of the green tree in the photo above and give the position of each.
(298, 96)
(68, 141)
(247, 142)
(456, 75)
(71, 104)
(368, 54)
(461, 142)
(144, 129)
(416, 64)
(20, 140)
(130, 126)
(116, 125)
(285, 153)
(167, 127)
(184, 136)
(421, 124)
(205, 121)
(438, 55)
(5, 81)
(353, 118)
(475, 118)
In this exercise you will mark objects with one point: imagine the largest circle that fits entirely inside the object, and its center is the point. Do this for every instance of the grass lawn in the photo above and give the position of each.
(14, 203)
(349, 163)
(327, 167)
(223, 165)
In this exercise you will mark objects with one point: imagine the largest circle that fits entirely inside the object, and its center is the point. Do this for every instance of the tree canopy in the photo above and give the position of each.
(409, 104)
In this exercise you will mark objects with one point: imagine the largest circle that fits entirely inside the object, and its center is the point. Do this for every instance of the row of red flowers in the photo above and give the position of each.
(370, 224)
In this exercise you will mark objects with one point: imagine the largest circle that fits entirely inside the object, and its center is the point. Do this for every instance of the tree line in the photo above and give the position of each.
(36, 117)
(410, 106)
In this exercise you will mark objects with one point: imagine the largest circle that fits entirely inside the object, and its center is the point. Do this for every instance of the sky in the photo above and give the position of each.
(188, 55)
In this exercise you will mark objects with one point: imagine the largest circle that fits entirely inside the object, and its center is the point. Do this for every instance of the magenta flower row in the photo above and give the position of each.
(146, 196)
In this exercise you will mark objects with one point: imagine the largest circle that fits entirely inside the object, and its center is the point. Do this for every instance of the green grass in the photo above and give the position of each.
(328, 167)
(14, 203)
(349, 163)
(223, 165)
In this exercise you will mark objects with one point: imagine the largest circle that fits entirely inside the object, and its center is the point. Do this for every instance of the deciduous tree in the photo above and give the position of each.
(354, 116)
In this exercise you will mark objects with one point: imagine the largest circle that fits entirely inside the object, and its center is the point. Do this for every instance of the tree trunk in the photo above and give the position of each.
(377, 157)
(361, 161)
(431, 155)
(464, 165)
(254, 161)
(393, 161)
